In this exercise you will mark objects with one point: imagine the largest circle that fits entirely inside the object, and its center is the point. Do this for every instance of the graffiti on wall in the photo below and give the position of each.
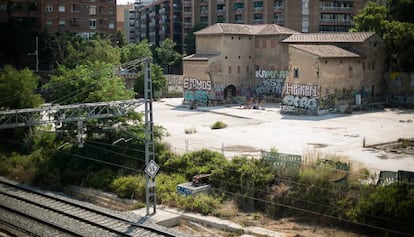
(301, 90)
(300, 97)
(195, 84)
(400, 89)
(196, 90)
(302, 102)
(198, 96)
(174, 84)
(270, 82)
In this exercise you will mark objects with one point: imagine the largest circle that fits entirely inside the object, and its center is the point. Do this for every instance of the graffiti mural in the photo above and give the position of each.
(300, 97)
(270, 82)
(302, 102)
(196, 90)
(195, 84)
(301, 90)
(198, 96)
(174, 85)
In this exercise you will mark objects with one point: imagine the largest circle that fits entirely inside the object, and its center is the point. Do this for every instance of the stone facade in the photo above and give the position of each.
(322, 78)
(235, 63)
(241, 61)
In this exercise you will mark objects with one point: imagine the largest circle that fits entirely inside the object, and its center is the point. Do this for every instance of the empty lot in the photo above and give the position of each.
(251, 130)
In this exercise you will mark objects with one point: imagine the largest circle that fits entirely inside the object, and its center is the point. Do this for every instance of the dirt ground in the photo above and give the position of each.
(250, 131)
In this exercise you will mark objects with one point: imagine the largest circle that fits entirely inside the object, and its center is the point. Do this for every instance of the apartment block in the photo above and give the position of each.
(299, 15)
(158, 21)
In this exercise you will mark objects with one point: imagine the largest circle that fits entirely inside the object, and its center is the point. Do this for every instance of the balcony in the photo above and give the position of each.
(187, 4)
(258, 9)
(335, 21)
(239, 21)
(256, 21)
(325, 8)
(278, 19)
(278, 7)
(187, 14)
(220, 1)
(220, 12)
(204, 13)
(239, 10)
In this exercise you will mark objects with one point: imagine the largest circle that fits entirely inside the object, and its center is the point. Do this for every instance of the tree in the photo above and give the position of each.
(81, 51)
(166, 54)
(18, 89)
(401, 10)
(135, 51)
(89, 82)
(398, 36)
(189, 40)
(371, 18)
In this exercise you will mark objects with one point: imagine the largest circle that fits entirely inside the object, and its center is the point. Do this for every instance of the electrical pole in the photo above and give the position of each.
(151, 167)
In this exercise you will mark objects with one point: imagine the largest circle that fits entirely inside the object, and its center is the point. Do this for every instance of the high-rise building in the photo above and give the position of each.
(299, 15)
(158, 21)
(163, 18)
(21, 21)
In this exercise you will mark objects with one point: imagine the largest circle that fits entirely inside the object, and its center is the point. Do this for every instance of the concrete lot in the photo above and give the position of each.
(251, 130)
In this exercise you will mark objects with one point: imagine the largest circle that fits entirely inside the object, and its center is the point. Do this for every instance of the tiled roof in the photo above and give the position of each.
(199, 57)
(329, 37)
(325, 51)
(228, 28)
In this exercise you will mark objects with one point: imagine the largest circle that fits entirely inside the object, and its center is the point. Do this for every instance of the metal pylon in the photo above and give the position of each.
(149, 139)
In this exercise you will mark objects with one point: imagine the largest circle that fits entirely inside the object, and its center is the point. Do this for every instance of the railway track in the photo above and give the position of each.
(31, 212)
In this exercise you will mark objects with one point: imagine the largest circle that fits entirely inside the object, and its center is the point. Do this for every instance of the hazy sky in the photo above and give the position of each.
(124, 2)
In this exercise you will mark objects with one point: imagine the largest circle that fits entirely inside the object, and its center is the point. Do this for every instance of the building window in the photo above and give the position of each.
(48, 23)
(350, 71)
(92, 10)
(229, 69)
(111, 12)
(92, 24)
(296, 72)
(264, 44)
(3, 7)
(61, 22)
(273, 43)
(111, 25)
(238, 69)
(62, 8)
(247, 68)
(75, 8)
(49, 8)
(256, 43)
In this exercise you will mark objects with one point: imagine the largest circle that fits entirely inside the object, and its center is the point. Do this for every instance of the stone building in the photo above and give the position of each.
(322, 78)
(234, 62)
(368, 45)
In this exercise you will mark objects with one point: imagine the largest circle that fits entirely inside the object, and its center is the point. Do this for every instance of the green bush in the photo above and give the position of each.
(390, 206)
(218, 125)
(101, 179)
(130, 187)
(202, 203)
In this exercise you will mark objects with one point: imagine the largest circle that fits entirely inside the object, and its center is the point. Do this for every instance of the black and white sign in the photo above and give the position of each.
(152, 168)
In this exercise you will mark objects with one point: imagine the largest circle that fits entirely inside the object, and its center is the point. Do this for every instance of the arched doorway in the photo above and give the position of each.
(229, 92)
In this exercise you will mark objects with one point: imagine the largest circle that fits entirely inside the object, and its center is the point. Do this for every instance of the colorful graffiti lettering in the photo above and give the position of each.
(271, 82)
(198, 96)
(195, 84)
(301, 90)
(304, 102)
(272, 74)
